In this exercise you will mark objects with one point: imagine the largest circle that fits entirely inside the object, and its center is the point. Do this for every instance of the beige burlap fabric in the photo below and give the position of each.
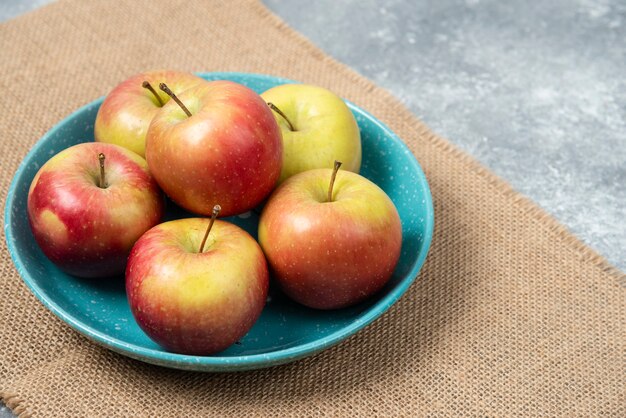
(511, 315)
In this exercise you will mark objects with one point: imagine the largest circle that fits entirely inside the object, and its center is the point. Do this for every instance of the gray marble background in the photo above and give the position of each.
(536, 91)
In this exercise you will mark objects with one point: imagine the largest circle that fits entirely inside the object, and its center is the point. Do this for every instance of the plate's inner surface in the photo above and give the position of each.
(102, 306)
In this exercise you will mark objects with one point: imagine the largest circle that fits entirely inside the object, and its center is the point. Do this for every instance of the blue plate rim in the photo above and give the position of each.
(223, 363)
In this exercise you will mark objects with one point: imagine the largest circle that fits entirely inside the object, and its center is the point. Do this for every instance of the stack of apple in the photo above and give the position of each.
(331, 238)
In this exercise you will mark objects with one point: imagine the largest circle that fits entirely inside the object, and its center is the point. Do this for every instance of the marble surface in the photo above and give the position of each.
(534, 90)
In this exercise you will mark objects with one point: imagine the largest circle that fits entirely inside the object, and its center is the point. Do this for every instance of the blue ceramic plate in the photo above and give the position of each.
(285, 331)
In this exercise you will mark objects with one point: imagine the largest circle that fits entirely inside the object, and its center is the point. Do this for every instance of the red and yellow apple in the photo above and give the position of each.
(127, 111)
(228, 152)
(86, 216)
(329, 253)
(196, 301)
(317, 126)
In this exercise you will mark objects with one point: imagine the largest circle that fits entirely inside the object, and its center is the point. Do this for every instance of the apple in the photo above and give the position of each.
(194, 295)
(217, 142)
(317, 126)
(88, 205)
(127, 111)
(330, 245)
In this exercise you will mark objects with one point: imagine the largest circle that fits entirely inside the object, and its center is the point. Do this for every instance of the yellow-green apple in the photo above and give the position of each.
(330, 246)
(192, 298)
(88, 205)
(127, 111)
(318, 128)
(217, 142)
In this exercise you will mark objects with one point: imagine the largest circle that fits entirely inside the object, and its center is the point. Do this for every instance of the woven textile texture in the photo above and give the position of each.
(511, 314)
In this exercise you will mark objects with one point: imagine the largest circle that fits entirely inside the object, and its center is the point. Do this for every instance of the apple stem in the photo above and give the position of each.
(147, 85)
(280, 112)
(103, 183)
(170, 93)
(332, 180)
(216, 211)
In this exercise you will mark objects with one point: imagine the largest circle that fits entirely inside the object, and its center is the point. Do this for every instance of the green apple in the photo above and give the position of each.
(317, 126)
(330, 244)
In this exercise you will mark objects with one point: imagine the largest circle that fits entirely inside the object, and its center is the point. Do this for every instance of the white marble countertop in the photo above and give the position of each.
(534, 90)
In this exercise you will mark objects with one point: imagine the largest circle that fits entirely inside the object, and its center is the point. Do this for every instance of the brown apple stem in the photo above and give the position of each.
(216, 211)
(170, 93)
(103, 183)
(332, 180)
(147, 85)
(280, 112)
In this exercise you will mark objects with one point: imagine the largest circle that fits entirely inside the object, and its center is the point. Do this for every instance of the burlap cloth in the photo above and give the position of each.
(511, 314)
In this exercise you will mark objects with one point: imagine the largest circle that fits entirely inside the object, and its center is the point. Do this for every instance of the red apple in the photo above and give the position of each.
(83, 225)
(329, 253)
(127, 111)
(195, 300)
(229, 151)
